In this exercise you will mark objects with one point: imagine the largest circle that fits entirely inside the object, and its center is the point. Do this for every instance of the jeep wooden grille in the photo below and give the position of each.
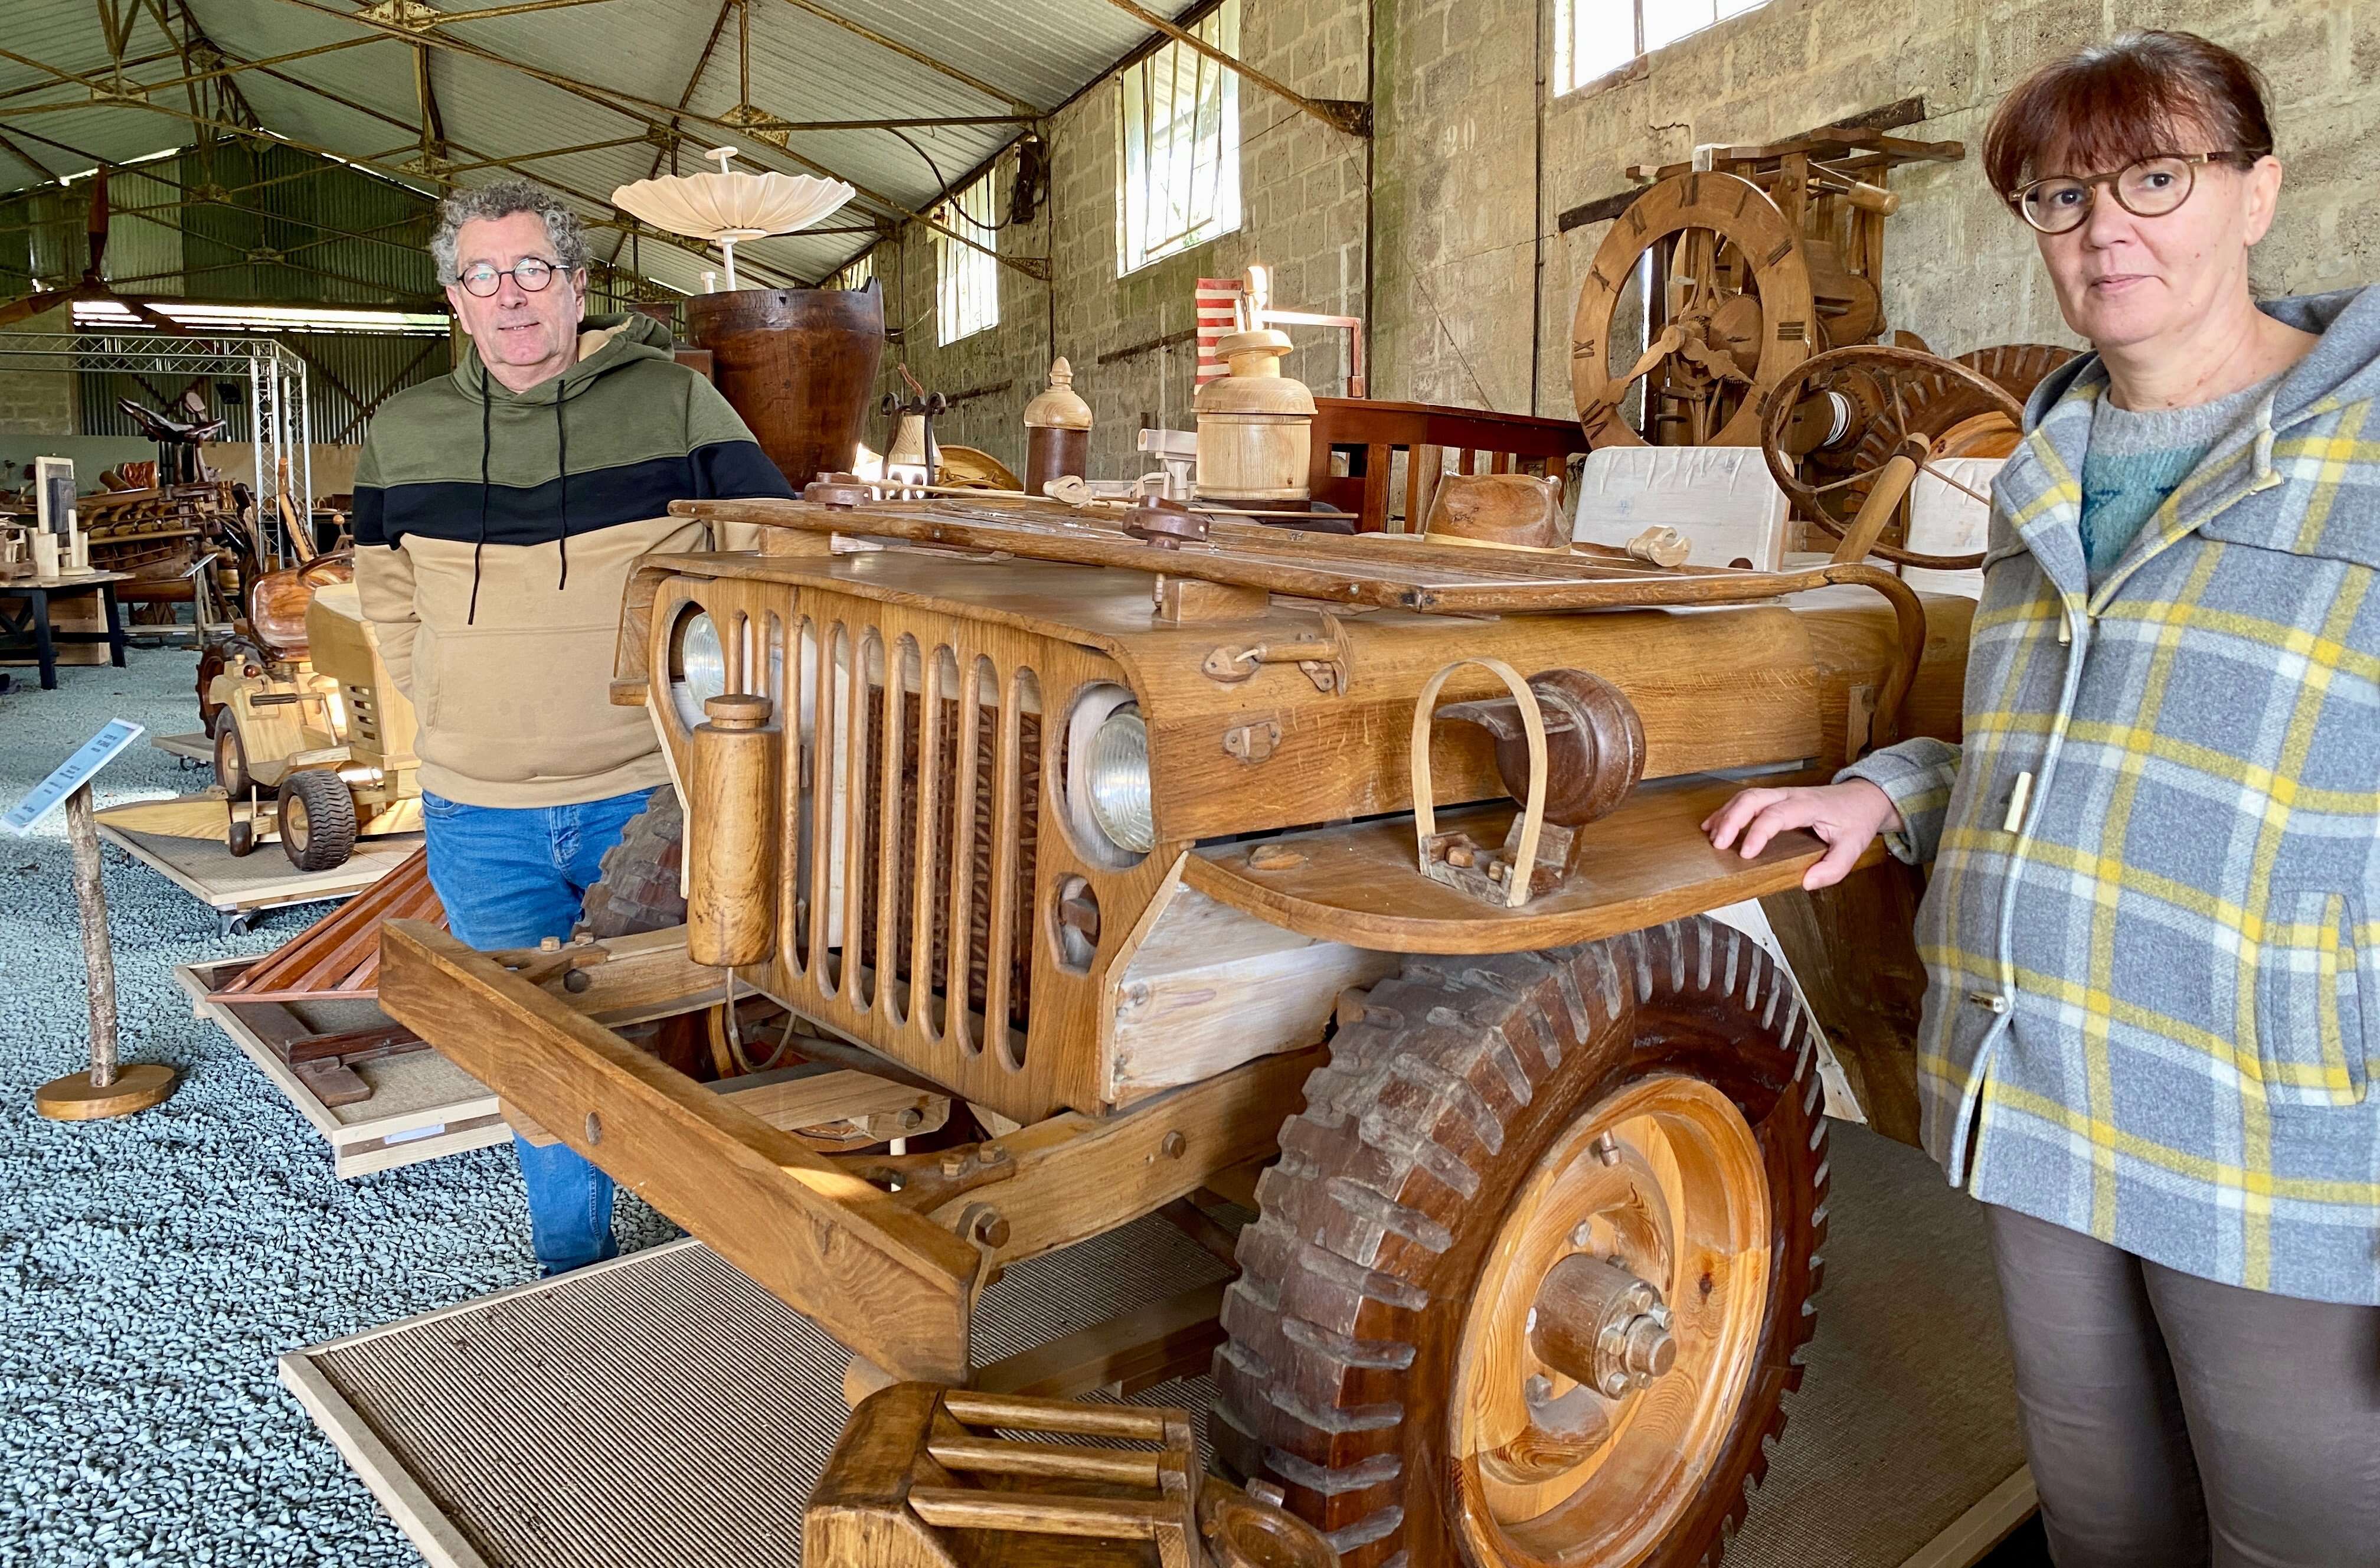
(974, 993)
(984, 726)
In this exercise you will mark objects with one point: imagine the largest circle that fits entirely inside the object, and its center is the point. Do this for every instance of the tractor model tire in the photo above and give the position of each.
(241, 839)
(318, 819)
(637, 890)
(1533, 1273)
(231, 756)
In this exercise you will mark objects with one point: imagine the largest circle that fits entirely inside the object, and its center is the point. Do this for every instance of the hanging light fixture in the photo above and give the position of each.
(726, 207)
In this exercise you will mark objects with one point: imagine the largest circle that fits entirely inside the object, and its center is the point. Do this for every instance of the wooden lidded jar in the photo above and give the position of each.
(1057, 431)
(1256, 426)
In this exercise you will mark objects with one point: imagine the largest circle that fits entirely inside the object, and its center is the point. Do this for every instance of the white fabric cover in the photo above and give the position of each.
(1721, 498)
(1945, 521)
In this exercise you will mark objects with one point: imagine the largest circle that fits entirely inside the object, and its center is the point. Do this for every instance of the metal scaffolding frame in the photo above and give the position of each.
(280, 420)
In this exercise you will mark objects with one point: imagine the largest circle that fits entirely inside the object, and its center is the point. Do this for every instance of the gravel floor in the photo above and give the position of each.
(151, 1268)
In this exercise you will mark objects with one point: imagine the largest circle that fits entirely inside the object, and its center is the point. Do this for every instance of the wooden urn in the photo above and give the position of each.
(1255, 425)
(799, 364)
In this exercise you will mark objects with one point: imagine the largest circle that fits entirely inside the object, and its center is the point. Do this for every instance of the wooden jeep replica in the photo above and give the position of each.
(1359, 881)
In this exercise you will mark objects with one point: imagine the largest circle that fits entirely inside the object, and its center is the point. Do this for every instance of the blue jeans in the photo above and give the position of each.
(511, 878)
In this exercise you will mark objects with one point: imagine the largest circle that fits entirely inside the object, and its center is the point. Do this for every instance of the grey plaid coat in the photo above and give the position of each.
(2153, 932)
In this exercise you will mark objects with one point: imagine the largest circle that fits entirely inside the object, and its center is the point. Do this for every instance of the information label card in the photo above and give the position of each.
(71, 775)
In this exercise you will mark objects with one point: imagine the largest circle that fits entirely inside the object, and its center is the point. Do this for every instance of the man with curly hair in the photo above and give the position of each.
(498, 512)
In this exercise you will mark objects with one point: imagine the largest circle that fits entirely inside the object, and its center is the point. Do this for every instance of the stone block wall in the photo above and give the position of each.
(40, 399)
(1303, 207)
(1444, 230)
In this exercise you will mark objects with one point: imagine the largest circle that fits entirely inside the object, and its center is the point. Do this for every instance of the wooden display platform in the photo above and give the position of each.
(636, 1383)
(193, 748)
(423, 1105)
(156, 833)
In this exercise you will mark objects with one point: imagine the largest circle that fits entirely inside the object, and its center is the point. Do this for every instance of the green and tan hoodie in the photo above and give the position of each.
(494, 531)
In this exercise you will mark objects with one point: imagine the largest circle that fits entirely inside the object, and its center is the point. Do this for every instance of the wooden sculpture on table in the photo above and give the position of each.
(1745, 261)
(1057, 431)
(1256, 426)
(799, 364)
(1354, 883)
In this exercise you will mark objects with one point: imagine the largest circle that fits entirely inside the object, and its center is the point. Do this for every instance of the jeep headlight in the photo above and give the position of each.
(700, 664)
(1116, 782)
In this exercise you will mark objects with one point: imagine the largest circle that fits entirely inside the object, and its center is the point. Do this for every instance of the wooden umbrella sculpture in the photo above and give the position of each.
(726, 208)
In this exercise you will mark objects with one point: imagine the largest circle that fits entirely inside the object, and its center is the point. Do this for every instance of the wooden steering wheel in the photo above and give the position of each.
(1843, 399)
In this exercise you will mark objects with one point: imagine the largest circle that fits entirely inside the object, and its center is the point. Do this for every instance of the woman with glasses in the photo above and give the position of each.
(2152, 932)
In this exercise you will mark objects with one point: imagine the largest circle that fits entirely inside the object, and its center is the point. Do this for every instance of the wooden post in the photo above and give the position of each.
(104, 1091)
(98, 958)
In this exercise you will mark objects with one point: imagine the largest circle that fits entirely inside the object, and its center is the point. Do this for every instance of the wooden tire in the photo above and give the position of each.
(637, 890)
(1371, 1330)
(231, 755)
(1742, 216)
(318, 819)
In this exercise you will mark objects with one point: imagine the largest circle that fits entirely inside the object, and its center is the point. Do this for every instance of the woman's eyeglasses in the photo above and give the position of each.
(483, 278)
(2147, 188)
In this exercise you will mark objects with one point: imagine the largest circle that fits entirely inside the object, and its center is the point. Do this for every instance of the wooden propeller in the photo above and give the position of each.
(92, 284)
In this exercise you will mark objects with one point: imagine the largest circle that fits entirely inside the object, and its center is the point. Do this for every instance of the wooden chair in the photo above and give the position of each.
(1371, 432)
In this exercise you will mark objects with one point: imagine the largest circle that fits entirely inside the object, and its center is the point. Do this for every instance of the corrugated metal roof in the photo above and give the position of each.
(359, 103)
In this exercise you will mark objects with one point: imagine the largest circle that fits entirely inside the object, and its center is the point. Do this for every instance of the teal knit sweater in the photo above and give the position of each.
(2136, 460)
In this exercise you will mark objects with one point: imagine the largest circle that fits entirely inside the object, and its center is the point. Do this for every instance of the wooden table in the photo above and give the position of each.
(24, 628)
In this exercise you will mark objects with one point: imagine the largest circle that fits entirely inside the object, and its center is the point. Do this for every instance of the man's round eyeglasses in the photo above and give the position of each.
(532, 274)
(2146, 187)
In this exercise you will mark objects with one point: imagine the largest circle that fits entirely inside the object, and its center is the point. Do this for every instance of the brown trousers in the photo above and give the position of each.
(2174, 1422)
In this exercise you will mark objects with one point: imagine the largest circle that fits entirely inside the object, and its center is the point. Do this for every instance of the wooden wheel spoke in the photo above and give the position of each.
(1954, 484)
(1841, 484)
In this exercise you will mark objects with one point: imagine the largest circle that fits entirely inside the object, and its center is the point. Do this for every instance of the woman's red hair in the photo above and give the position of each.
(2144, 93)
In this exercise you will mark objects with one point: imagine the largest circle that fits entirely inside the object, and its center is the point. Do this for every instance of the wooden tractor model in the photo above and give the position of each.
(312, 740)
(1358, 880)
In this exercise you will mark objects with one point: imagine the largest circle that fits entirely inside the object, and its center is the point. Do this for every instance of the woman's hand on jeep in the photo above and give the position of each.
(1846, 816)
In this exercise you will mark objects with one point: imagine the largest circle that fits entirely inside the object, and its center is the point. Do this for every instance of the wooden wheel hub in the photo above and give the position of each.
(1598, 1324)
(1613, 1332)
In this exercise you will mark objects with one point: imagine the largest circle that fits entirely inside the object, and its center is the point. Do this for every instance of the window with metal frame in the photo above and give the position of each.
(1178, 138)
(967, 280)
(856, 274)
(1593, 38)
